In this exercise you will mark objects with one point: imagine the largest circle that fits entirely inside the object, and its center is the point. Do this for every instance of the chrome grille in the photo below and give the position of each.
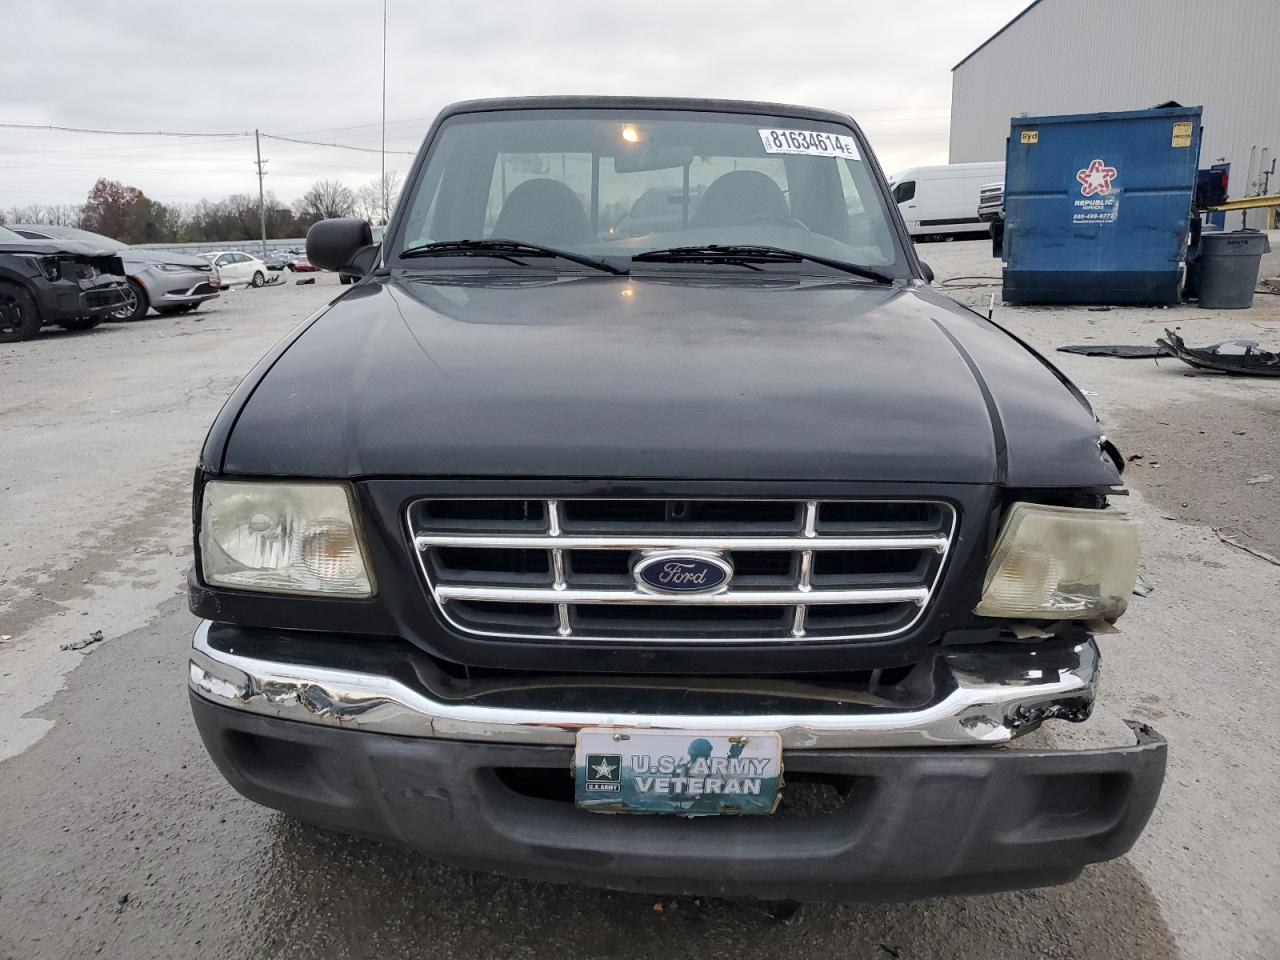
(562, 568)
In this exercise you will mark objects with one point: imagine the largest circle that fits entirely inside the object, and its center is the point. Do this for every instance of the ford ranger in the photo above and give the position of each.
(727, 558)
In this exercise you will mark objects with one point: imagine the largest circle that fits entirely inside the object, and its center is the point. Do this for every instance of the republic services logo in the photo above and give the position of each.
(1096, 178)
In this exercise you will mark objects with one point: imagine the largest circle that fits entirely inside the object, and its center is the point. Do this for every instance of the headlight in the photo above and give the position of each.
(175, 268)
(51, 267)
(282, 537)
(1061, 563)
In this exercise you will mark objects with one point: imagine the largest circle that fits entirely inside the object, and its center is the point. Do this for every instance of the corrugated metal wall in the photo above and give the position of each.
(1080, 56)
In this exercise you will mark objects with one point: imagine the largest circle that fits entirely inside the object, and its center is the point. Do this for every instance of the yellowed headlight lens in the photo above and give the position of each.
(282, 538)
(1061, 563)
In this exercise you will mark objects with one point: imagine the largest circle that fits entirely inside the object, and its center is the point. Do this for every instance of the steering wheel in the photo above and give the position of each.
(775, 219)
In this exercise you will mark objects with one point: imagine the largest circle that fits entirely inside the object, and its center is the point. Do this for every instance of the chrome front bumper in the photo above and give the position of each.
(983, 698)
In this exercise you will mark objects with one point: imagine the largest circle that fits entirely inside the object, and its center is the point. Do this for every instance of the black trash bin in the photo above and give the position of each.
(1227, 271)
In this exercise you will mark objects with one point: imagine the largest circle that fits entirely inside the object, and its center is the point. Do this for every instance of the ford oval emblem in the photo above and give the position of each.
(682, 572)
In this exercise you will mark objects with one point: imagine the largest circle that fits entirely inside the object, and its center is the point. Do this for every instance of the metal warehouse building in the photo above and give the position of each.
(1081, 56)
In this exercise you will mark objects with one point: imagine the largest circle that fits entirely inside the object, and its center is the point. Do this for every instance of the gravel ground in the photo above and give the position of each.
(119, 838)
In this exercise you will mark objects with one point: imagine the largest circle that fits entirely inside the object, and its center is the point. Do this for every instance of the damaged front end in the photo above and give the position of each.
(71, 284)
(478, 770)
(958, 696)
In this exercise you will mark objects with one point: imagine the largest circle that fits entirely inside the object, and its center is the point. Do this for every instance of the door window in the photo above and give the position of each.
(904, 191)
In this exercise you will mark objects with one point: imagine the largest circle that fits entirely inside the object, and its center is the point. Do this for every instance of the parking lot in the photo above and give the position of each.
(119, 837)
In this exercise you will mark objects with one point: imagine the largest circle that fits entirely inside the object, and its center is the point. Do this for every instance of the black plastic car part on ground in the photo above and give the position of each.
(67, 283)
(518, 433)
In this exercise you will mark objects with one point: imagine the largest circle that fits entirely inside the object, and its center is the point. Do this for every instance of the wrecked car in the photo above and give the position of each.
(65, 282)
(163, 280)
(723, 559)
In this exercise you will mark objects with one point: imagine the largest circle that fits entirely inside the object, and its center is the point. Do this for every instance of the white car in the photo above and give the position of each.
(235, 267)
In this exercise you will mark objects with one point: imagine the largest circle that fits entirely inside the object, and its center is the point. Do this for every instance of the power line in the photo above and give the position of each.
(340, 146)
(114, 133)
(363, 126)
(171, 133)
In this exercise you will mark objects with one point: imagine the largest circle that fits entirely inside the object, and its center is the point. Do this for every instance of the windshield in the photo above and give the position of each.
(7, 234)
(613, 182)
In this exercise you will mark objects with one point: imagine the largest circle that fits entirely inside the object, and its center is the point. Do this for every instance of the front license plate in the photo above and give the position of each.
(686, 773)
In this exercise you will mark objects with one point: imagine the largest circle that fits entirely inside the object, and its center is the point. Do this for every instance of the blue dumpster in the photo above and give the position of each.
(1098, 205)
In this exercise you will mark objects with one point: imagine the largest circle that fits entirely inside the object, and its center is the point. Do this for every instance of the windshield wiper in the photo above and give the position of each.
(509, 250)
(744, 254)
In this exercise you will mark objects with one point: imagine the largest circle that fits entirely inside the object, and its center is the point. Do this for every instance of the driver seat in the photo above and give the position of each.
(543, 211)
(737, 195)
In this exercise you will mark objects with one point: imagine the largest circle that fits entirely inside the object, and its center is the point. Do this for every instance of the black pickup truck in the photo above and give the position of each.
(738, 526)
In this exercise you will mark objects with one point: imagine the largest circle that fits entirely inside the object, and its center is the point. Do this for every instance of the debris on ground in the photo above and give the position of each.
(1124, 351)
(95, 637)
(1233, 540)
(1141, 588)
(1260, 478)
(306, 282)
(1231, 356)
(782, 911)
(5, 637)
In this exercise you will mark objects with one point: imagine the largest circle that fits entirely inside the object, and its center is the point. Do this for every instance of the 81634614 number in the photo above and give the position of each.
(812, 143)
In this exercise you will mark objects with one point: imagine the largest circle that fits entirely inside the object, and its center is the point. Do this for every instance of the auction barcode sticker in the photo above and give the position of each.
(811, 143)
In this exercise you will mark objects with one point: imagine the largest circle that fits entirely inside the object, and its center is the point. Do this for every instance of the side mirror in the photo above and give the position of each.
(332, 243)
(924, 267)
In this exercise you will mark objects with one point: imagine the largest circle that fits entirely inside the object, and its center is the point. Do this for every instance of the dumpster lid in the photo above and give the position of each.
(1107, 115)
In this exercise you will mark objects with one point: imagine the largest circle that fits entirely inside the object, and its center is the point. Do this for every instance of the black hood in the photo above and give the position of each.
(645, 378)
(78, 248)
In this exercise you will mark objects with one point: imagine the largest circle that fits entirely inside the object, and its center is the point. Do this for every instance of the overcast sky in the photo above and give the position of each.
(312, 68)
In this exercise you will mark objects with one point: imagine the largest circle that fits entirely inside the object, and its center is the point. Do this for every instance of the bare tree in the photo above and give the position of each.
(64, 214)
(369, 202)
(377, 198)
(327, 198)
(30, 214)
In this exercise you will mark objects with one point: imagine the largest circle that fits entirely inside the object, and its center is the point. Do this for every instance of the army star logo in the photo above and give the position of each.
(604, 770)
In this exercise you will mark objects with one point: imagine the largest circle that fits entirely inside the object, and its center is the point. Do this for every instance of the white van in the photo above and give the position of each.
(943, 200)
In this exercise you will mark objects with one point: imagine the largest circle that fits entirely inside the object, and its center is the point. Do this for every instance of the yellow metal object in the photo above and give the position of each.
(1250, 203)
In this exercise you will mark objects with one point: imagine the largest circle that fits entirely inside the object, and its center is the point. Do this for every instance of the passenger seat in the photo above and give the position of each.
(736, 196)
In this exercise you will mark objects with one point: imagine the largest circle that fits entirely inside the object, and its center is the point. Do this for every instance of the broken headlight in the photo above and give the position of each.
(1061, 563)
(283, 538)
(51, 267)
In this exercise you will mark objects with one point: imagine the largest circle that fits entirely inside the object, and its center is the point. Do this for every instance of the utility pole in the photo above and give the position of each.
(262, 203)
(382, 183)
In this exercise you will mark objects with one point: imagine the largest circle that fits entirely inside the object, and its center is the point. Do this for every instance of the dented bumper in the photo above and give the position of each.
(891, 824)
(959, 697)
(379, 741)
